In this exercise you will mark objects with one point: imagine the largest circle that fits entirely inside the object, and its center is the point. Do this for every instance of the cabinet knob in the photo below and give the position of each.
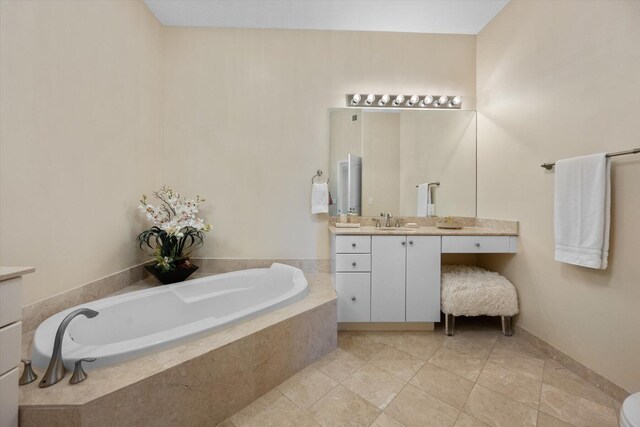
(477, 245)
(353, 264)
(353, 245)
(404, 243)
(353, 299)
(411, 242)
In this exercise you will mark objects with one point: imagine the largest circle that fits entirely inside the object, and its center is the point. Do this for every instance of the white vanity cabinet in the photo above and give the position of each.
(351, 257)
(10, 341)
(405, 278)
(388, 277)
(423, 279)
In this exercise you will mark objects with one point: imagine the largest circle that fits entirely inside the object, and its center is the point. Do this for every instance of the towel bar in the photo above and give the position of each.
(549, 166)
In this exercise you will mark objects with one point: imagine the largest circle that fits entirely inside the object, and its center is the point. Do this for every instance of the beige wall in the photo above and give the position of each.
(558, 79)
(100, 103)
(80, 86)
(246, 120)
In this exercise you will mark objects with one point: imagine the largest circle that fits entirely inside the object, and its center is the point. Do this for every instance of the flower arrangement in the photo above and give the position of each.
(175, 229)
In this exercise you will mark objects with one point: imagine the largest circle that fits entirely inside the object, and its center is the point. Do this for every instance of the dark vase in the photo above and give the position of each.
(174, 276)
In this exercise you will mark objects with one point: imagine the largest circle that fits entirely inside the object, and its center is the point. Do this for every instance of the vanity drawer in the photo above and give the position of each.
(354, 297)
(10, 301)
(9, 398)
(475, 244)
(353, 262)
(10, 339)
(353, 244)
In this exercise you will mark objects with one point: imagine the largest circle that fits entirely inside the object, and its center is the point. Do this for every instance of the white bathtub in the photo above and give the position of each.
(142, 322)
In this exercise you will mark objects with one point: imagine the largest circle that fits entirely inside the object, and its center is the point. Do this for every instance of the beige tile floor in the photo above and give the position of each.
(476, 378)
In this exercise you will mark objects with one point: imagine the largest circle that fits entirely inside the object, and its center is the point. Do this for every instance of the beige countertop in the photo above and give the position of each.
(422, 231)
(7, 273)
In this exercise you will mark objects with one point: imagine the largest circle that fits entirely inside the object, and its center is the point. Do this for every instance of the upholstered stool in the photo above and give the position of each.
(468, 290)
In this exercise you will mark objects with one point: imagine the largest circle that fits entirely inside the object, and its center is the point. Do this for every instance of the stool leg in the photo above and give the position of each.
(506, 326)
(449, 324)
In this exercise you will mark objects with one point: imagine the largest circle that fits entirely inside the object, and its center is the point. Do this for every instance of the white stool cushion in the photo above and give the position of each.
(468, 290)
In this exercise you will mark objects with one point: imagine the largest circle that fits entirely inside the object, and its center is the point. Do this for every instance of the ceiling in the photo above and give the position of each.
(406, 16)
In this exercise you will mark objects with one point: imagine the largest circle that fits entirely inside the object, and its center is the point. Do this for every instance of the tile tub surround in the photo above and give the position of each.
(202, 381)
(360, 384)
(36, 313)
(427, 227)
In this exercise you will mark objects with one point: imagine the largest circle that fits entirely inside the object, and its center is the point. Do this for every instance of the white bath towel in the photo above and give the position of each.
(423, 199)
(582, 210)
(319, 198)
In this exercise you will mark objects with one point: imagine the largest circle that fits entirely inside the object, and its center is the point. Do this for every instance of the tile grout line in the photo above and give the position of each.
(383, 411)
(544, 370)
(407, 383)
(577, 397)
(476, 380)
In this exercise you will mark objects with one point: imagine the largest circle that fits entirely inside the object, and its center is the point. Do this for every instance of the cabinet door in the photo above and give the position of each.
(388, 259)
(354, 303)
(423, 279)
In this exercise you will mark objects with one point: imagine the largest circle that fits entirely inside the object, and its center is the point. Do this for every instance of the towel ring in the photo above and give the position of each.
(317, 175)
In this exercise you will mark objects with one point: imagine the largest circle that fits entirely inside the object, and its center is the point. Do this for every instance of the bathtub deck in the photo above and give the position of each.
(231, 367)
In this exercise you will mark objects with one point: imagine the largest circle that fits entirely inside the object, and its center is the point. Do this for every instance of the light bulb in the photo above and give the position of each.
(412, 100)
(399, 100)
(356, 99)
(383, 100)
(426, 101)
(370, 98)
(456, 101)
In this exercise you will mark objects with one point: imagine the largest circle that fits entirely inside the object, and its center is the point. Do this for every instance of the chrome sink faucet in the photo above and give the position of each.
(56, 370)
(388, 223)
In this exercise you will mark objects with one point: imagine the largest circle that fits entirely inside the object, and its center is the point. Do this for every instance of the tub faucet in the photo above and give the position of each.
(56, 370)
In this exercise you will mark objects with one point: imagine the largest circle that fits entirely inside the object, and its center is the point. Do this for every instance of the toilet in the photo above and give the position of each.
(630, 412)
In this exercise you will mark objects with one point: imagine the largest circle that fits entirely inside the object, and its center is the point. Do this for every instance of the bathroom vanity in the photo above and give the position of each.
(10, 341)
(390, 277)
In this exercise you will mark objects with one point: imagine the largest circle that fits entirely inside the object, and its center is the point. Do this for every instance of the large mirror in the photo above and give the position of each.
(408, 163)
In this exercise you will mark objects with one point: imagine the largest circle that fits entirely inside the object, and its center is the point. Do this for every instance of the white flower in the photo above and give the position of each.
(174, 213)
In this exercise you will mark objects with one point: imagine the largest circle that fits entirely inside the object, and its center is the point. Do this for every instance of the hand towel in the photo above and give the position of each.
(582, 210)
(423, 199)
(319, 198)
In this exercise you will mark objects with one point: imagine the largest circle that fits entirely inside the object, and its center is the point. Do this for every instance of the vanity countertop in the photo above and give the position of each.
(7, 273)
(422, 231)
(426, 227)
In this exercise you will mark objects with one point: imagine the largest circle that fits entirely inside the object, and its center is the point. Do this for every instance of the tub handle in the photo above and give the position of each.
(28, 376)
(79, 374)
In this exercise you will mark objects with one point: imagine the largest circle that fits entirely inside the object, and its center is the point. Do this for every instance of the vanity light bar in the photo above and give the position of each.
(440, 102)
